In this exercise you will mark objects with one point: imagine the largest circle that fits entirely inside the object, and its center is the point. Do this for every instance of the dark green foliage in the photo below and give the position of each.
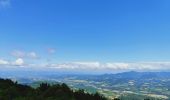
(14, 91)
(81, 95)
(116, 99)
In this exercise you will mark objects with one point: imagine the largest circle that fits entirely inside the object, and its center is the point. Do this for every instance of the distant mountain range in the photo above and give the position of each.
(139, 75)
(53, 75)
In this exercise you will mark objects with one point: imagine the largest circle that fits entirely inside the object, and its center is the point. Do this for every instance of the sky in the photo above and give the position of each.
(104, 35)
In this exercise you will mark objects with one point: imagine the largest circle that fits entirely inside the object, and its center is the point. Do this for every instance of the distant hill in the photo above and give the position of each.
(133, 74)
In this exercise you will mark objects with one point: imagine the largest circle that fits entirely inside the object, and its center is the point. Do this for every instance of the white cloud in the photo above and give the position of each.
(4, 3)
(18, 62)
(51, 50)
(3, 62)
(151, 66)
(32, 55)
(18, 54)
(117, 66)
(22, 54)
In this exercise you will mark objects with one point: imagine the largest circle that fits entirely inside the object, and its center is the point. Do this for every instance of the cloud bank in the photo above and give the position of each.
(91, 66)
(138, 66)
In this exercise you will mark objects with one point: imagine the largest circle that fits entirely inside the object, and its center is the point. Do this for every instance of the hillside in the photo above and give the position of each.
(10, 90)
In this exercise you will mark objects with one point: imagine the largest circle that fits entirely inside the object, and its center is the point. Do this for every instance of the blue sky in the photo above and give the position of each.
(59, 31)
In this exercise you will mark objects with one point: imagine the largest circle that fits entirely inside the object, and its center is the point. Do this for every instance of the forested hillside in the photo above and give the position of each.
(10, 90)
